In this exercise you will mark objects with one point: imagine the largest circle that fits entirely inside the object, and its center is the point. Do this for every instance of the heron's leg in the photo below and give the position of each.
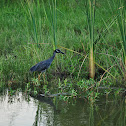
(39, 77)
(44, 77)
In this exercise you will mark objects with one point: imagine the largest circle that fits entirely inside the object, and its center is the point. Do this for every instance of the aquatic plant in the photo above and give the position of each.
(90, 6)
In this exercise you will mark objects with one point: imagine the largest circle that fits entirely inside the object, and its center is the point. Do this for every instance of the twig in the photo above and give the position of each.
(82, 65)
(105, 73)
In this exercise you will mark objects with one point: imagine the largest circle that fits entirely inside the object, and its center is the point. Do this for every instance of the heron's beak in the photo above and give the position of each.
(62, 52)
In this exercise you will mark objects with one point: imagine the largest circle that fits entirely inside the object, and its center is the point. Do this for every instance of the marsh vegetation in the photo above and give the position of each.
(91, 33)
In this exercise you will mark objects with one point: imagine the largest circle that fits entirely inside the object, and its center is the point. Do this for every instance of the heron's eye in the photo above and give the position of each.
(57, 51)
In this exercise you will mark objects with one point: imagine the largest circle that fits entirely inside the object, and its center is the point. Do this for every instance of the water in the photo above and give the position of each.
(23, 110)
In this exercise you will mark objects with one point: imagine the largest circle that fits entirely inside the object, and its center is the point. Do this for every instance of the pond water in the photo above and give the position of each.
(23, 110)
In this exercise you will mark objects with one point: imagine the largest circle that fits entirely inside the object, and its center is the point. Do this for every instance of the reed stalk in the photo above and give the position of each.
(91, 20)
(122, 27)
(53, 21)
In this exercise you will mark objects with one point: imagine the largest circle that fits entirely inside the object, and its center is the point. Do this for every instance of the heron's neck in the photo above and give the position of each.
(54, 55)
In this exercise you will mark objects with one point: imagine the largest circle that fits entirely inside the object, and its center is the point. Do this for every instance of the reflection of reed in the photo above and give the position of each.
(91, 115)
(104, 112)
(44, 115)
(112, 113)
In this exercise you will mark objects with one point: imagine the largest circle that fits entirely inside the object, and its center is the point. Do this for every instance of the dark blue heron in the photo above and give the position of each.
(43, 65)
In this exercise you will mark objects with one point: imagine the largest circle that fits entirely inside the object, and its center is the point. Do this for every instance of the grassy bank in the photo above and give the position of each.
(30, 31)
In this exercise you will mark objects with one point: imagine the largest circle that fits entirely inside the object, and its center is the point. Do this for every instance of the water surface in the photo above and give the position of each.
(23, 110)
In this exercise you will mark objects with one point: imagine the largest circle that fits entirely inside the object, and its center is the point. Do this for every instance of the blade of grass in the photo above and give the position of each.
(122, 27)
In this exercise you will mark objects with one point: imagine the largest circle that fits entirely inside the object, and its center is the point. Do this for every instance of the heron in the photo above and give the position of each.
(44, 65)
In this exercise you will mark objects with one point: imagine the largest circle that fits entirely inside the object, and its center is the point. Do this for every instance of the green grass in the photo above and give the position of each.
(30, 31)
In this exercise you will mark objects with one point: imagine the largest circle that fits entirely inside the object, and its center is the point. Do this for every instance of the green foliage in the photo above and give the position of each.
(30, 31)
(122, 27)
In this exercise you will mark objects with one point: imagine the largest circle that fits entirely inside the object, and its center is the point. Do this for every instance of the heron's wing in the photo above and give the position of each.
(41, 66)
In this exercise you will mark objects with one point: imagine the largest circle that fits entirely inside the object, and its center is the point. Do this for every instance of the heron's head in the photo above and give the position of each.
(58, 51)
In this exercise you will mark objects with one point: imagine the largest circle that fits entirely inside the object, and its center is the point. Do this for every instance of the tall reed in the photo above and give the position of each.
(91, 19)
(122, 27)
